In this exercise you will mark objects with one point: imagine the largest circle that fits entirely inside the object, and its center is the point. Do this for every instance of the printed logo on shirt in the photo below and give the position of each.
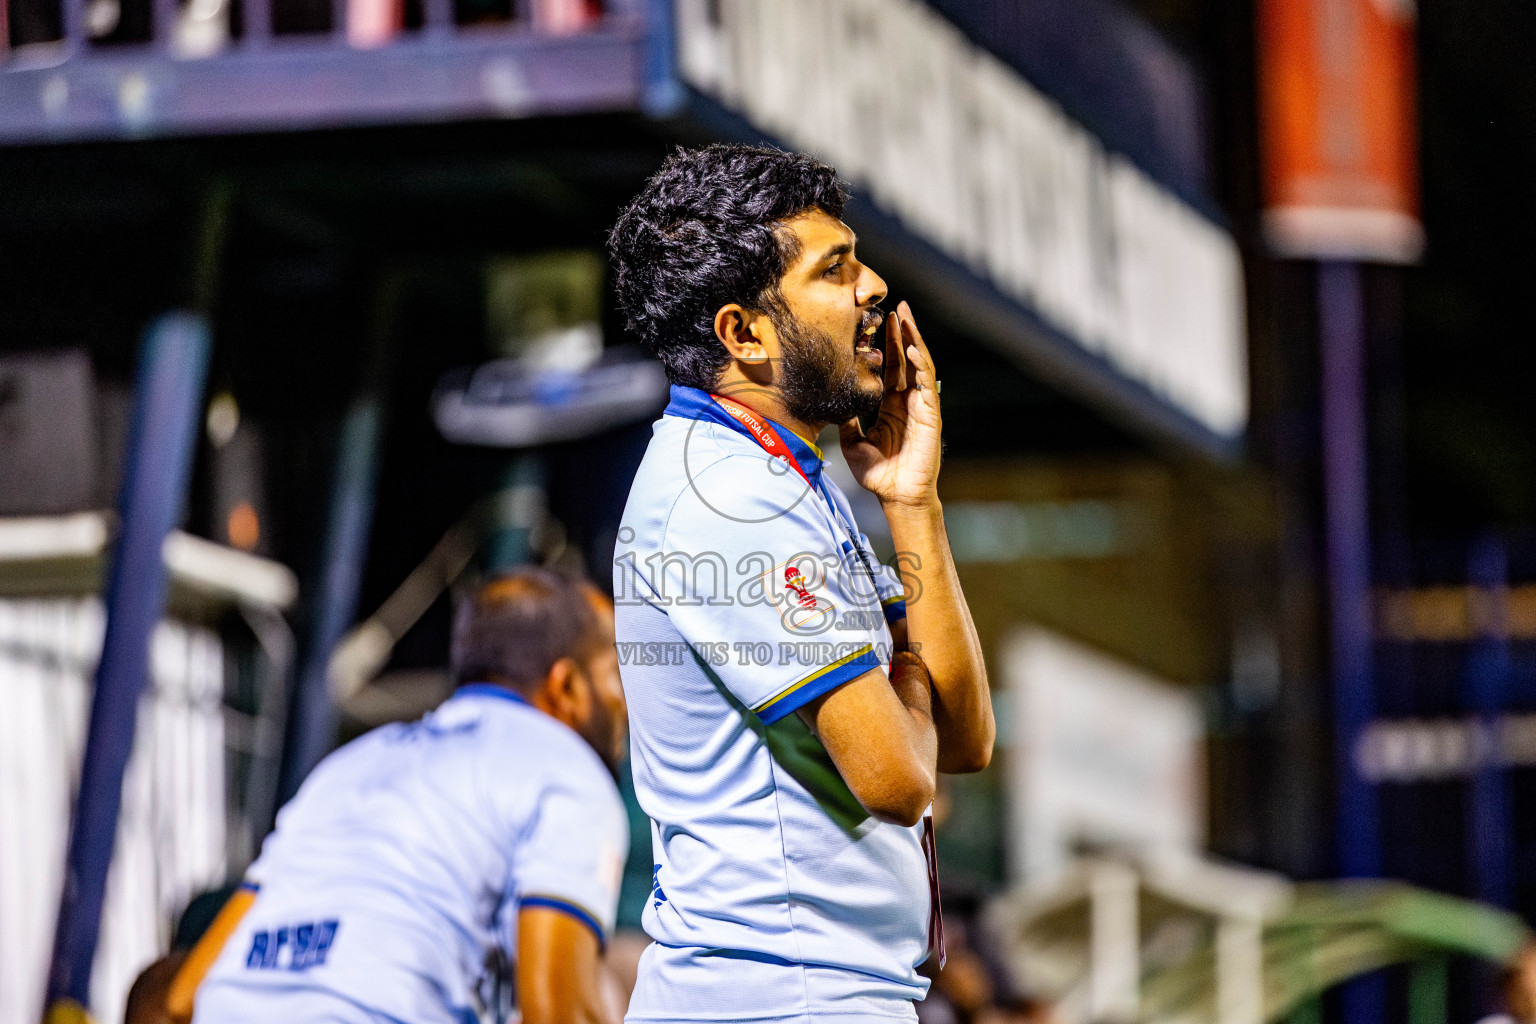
(656, 893)
(794, 582)
(292, 947)
(798, 589)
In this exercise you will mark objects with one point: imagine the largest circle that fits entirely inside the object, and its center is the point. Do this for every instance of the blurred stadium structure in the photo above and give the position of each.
(1179, 940)
(197, 796)
(389, 216)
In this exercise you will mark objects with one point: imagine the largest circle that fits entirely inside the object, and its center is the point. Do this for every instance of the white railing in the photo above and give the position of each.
(171, 840)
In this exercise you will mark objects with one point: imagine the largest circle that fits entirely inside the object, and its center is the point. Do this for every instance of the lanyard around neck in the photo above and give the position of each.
(763, 433)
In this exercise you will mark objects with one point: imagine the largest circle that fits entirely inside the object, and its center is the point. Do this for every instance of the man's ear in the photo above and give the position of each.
(738, 329)
(561, 695)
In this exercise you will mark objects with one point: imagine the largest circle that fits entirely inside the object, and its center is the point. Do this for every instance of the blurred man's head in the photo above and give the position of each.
(549, 639)
(1520, 985)
(735, 257)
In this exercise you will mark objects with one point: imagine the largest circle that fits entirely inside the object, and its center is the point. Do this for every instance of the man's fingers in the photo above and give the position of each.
(922, 369)
(918, 356)
(851, 432)
(911, 333)
(895, 358)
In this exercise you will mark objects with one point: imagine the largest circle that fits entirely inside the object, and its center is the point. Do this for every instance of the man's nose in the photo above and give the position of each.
(871, 288)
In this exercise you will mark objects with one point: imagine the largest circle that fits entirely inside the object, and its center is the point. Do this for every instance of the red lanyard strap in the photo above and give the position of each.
(935, 914)
(763, 433)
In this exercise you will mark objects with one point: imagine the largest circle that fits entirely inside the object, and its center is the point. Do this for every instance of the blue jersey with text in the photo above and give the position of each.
(744, 590)
(393, 880)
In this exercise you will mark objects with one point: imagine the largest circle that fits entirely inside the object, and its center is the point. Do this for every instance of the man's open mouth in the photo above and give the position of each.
(869, 327)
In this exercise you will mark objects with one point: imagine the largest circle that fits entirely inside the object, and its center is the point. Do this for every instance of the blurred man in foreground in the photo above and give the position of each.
(418, 862)
(1518, 989)
(791, 701)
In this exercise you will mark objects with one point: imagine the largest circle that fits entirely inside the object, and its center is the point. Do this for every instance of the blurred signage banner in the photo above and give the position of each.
(972, 158)
(1099, 755)
(1436, 749)
(1337, 84)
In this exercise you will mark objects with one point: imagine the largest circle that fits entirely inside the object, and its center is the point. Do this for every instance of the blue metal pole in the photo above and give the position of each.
(312, 717)
(312, 725)
(1341, 316)
(1488, 669)
(1347, 510)
(173, 364)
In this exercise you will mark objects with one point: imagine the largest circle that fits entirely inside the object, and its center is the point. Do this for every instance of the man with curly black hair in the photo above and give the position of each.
(791, 699)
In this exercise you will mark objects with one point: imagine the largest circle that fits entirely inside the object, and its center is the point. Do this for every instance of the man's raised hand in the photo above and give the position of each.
(898, 459)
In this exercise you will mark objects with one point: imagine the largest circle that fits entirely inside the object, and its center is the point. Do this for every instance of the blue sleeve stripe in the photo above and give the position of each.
(567, 907)
(823, 680)
(895, 608)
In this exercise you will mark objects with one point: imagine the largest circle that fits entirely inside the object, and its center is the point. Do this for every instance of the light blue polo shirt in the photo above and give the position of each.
(393, 880)
(742, 592)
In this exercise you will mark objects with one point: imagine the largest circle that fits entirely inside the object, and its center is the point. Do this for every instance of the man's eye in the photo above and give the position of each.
(834, 269)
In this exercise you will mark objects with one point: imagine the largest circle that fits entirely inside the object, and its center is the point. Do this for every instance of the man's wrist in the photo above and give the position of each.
(912, 683)
(920, 511)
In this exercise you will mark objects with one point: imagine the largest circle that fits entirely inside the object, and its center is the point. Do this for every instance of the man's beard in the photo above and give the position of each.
(811, 386)
(601, 733)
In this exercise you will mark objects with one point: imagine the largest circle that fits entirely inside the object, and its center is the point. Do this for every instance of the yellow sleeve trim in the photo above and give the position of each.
(808, 680)
(183, 993)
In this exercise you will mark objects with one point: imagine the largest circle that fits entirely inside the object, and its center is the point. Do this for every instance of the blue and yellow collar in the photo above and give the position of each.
(693, 404)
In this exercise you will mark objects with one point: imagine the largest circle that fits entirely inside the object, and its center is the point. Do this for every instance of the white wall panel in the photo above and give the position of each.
(172, 830)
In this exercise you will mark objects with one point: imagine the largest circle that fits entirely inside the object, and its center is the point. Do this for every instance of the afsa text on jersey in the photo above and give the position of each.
(305, 944)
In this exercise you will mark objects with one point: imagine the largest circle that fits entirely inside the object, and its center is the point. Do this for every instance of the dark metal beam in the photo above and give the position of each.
(167, 399)
(307, 82)
(349, 522)
(1346, 485)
